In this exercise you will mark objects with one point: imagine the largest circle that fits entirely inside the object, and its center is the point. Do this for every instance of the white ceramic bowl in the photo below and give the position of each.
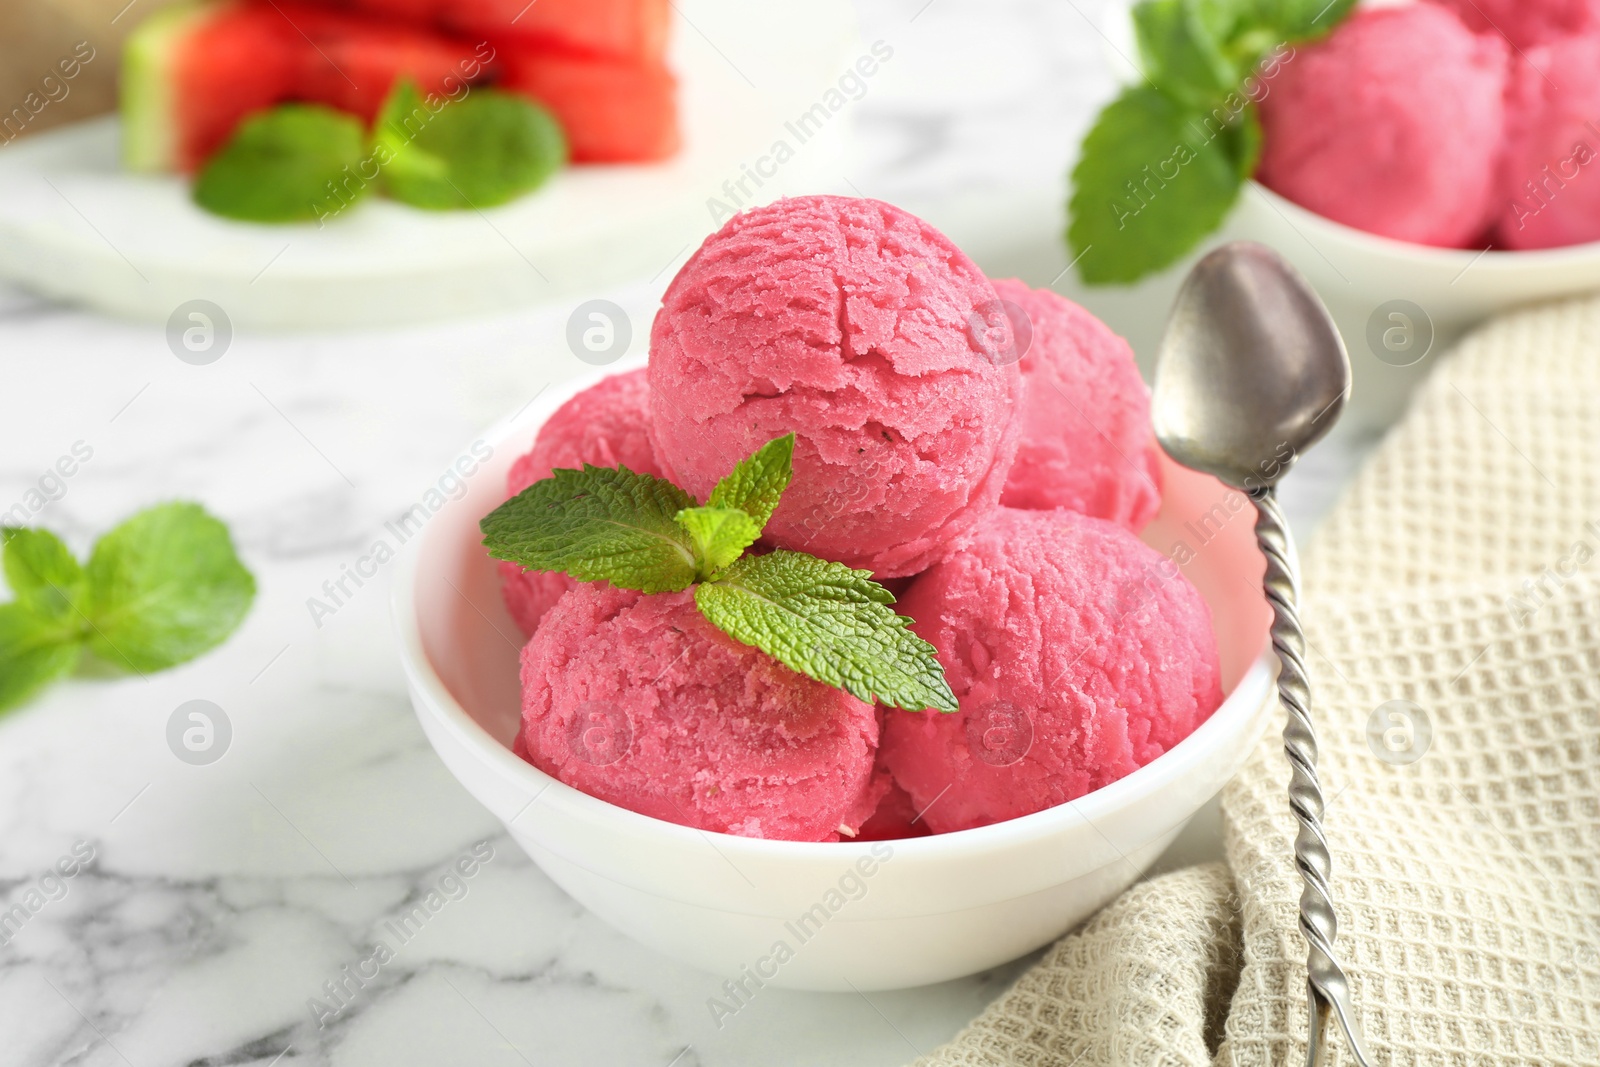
(853, 915)
(1439, 293)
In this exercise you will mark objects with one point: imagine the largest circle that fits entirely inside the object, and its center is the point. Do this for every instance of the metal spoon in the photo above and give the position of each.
(1252, 373)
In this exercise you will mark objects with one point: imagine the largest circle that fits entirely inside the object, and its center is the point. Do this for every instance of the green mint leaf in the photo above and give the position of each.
(756, 483)
(404, 165)
(165, 586)
(1153, 178)
(830, 623)
(598, 525)
(1301, 20)
(1243, 143)
(485, 149)
(404, 115)
(42, 572)
(34, 651)
(293, 163)
(1181, 49)
(720, 536)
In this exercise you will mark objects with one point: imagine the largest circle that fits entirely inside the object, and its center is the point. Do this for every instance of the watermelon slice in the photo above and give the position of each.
(354, 61)
(613, 111)
(193, 72)
(633, 30)
(171, 119)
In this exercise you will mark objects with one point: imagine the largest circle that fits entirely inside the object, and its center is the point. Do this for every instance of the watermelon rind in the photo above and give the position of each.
(149, 94)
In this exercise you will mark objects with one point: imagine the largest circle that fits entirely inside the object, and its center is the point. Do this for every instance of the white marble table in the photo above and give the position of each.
(221, 899)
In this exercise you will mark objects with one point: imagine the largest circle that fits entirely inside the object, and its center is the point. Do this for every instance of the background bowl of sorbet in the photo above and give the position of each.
(828, 916)
(1398, 305)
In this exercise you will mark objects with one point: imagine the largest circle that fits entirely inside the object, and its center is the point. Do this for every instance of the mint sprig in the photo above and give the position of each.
(756, 483)
(1165, 162)
(35, 650)
(41, 571)
(486, 149)
(600, 524)
(165, 586)
(1301, 20)
(280, 164)
(819, 618)
(1179, 51)
(828, 622)
(720, 536)
(159, 590)
(305, 162)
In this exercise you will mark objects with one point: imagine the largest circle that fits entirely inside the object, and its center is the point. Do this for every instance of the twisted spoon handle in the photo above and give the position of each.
(1327, 988)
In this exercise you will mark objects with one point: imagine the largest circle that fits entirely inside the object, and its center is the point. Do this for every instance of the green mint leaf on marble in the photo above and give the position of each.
(757, 482)
(279, 164)
(487, 148)
(164, 587)
(720, 536)
(830, 623)
(1154, 178)
(42, 572)
(35, 650)
(160, 589)
(599, 525)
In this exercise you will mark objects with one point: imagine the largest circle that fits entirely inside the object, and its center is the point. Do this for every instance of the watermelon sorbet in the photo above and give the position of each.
(1526, 23)
(1086, 443)
(1392, 124)
(606, 425)
(638, 700)
(1550, 169)
(872, 338)
(1078, 654)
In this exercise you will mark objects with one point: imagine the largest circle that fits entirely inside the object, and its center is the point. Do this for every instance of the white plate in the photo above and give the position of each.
(75, 226)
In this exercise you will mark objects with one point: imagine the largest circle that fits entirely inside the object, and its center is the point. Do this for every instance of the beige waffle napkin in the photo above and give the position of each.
(1460, 573)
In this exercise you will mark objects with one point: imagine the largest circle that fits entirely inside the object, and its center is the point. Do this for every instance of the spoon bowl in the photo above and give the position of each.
(1252, 369)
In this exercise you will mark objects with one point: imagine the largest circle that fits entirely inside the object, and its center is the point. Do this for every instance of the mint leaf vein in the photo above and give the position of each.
(598, 524)
(828, 622)
(720, 535)
(757, 482)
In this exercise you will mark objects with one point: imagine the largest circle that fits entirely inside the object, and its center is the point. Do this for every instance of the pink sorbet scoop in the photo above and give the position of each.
(638, 700)
(1550, 171)
(1086, 439)
(1391, 124)
(1077, 652)
(606, 425)
(1525, 23)
(872, 338)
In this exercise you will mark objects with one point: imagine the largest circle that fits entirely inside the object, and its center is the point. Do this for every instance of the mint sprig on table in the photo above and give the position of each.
(1165, 162)
(819, 618)
(306, 162)
(159, 590)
